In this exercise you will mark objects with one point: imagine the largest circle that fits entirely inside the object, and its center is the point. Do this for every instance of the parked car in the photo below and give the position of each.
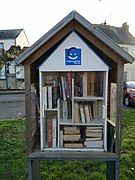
(129, 93)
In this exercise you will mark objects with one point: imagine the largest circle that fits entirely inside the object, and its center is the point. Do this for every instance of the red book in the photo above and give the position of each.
(49, 133)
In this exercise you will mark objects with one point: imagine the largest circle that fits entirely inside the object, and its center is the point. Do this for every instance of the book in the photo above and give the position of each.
(90, 113)
(65, 110)
(94, 128)
(54, 135)
(45, 98)
(49, 133)
(69, 108)
(71, 137)
(111, 130)
(76, 113)
(94, 144)
(50, 97)
(87, 113)
(93, 134)
(99, 83)
(92, 83)
(93, 139)
(82, 115)
(84, 84)
(63, 88)
(55, 96)
(73, 145)
(70, 127)
(70, 83)
(61, 138)
(72, 131)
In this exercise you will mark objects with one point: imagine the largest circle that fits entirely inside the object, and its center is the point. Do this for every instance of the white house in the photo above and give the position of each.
(124, 39)
(12, 37)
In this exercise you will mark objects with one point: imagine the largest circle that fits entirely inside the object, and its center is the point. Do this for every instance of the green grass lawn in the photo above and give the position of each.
(13, 163)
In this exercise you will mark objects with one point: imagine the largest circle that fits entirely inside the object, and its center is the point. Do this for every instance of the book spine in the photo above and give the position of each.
(61, 138)
(70, 83)
(82, 113)
(45, 97)
(65, 110)
(63, 88)
(50, 97)
(55, 96)
(49, 133)
(76, 113)
(94, 144)
(54, 132)
(87, 113)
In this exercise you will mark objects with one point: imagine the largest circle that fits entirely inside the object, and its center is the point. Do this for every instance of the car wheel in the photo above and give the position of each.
(127, 101)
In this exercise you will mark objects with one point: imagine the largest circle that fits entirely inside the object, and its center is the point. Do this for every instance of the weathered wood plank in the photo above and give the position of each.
(28, 105)
(120, 72)
(113, 170)
(66, 155)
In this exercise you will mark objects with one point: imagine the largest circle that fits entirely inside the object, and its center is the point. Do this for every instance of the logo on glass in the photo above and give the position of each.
(73, 56)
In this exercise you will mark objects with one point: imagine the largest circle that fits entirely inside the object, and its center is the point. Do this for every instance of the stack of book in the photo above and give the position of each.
(72, 137)
(94, 137)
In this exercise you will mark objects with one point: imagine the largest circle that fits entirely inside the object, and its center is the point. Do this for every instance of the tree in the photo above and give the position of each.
(10, 55)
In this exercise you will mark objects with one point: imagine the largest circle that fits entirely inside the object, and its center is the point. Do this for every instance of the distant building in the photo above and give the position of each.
(12, 37)
(124, 39)
(12, 76)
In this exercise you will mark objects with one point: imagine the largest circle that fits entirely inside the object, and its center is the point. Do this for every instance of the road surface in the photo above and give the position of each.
(12, 106)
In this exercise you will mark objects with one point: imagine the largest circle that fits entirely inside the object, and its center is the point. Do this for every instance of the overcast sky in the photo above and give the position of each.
(37, 17)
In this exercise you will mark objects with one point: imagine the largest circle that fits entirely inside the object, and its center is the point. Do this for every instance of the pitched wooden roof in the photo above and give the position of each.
(75, 17)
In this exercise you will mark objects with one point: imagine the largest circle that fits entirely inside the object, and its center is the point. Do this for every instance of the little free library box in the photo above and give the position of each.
(73, 88)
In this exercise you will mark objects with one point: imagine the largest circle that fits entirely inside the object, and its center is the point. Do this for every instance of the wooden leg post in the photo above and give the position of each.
(33, 170)
(113, 170)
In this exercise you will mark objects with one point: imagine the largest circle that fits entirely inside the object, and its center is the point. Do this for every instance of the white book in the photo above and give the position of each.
(94, 144)
(82, 113)
(50, 97)
(61, 138)
(54, 135)
(44, 92)
(63, 88)
(87, 113)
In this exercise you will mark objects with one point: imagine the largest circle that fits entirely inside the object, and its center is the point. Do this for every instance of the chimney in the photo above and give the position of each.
(125, 27)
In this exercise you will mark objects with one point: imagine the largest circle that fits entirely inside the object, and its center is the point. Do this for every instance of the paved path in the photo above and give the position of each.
(12, 106)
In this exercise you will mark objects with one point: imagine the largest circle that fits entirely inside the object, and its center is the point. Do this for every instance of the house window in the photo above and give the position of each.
(1, 45)
(126, 49)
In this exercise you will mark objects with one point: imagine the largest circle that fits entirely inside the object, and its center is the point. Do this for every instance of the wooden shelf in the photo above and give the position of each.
(88, 98)
(65, 155)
